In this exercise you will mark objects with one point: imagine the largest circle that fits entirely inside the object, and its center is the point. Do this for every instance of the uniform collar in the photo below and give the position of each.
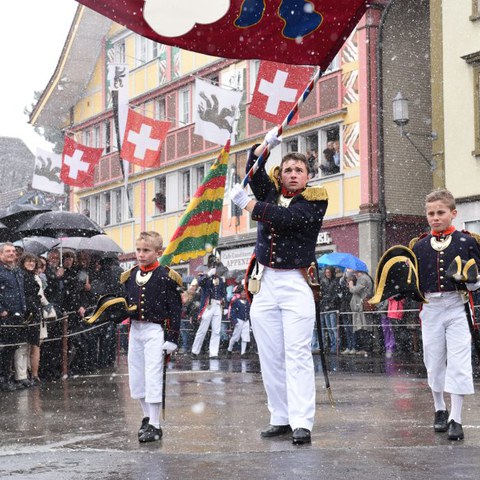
(151, 267)
(445, 232)
(288, 194)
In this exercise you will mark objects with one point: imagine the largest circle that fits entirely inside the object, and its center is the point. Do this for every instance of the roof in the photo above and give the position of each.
(74, 69)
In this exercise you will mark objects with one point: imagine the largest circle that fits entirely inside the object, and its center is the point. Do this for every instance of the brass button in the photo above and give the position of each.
(442, 286)
(441, 261)
(441, 278)
(441, 253)
(441, 269)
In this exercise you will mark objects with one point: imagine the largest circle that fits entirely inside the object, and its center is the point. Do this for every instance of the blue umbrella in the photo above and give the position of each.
(343, 260)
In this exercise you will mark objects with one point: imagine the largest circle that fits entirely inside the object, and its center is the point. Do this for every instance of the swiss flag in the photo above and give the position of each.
(143, 139)
(277, 89)
(78, 163)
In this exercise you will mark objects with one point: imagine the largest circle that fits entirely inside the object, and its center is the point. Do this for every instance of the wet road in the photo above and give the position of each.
(381, 427)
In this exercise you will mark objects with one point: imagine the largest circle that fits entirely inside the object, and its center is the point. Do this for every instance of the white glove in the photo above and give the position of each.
(473, 286)
(212, 272)
(272, 139)
(169, 347)
(239, 196)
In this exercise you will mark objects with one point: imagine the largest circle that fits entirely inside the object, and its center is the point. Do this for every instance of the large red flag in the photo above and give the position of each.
(78, 163)
(290, 31)
(277, 90)
(143, 139)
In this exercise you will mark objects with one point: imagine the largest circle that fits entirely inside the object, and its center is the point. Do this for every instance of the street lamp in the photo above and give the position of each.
(401, 118)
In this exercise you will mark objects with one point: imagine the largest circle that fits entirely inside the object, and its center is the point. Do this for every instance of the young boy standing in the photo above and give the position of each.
(446, 336)
(154, 328)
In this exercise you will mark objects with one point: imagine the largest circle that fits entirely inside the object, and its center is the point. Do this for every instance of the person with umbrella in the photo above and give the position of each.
(289, 216)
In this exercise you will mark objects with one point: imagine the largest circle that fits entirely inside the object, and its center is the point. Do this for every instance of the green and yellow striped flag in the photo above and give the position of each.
(199, 226)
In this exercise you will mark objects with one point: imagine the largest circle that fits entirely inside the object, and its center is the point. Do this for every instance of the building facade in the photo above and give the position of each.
(374, 200)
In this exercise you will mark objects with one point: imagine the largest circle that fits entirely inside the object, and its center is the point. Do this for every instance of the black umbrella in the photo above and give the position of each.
(14, 215)
(37, 245)
(59, 224)
(98, 244)
(5, 233)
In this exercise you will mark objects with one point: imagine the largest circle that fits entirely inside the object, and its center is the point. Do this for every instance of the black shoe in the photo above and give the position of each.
(7, 387)
(23, 384)
(276, 430)
(455, 430)
(301, 436)
(440, 423)
(151, 434)
(143, 426)
(194, 356)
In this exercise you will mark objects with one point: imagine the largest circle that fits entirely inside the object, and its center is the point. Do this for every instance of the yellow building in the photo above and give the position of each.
(161, 85)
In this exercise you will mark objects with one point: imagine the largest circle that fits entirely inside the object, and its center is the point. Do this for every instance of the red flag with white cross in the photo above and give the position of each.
(143, 139)
(78, 163)
(277, 90)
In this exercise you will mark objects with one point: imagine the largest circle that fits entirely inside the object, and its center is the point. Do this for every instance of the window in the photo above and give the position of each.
(186, 187)
(254, 67)
(475, 10)
(107, 139)
(160, 194)
(330, 158)
(473, 59)
(145, 50)
(473, 226)
(199, 175)
(128, 203)
(96, 141)
(117, 206)
(184, 107)
(86, 137)
(160, 109)
(105, 209)
(292, 145)
(119, 52)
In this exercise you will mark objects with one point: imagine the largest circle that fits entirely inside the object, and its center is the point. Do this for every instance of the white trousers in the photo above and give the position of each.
(447, 344)
(282, 316)
(145, 361)
(212, 315)
(242, 329)
(20, 362)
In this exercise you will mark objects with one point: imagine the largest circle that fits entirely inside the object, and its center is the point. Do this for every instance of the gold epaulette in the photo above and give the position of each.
(126, 275)
(175, 276)
(313, 194)
(413, 241)
(274, 175)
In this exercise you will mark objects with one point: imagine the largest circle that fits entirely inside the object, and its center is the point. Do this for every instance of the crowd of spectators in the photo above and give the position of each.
(36, 295)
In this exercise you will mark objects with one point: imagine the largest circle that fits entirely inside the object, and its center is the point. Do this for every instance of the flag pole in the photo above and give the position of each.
(116, 122)
(262, 158)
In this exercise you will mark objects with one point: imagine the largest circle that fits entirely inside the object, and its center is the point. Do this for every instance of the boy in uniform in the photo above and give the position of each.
(155, 325)
(446, 335)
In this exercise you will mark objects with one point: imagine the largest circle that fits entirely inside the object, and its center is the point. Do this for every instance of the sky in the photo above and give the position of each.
(32, 35)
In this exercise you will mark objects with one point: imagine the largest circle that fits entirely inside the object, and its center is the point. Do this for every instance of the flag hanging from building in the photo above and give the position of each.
(277, 90)
(78, 163)
(215, 111)
(199, 227)
(143, 139)
(299, 32)
(46, 175)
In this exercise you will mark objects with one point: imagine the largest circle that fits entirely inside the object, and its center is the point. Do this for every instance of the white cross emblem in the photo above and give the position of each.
(75, 164)
(143, 141)
(277, 92)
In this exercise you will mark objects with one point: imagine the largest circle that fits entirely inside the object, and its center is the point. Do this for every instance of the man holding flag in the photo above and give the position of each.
(289, 216)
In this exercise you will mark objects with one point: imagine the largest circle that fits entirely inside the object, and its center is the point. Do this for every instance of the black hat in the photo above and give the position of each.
(397, 273)
(111, 309)
(462, 271)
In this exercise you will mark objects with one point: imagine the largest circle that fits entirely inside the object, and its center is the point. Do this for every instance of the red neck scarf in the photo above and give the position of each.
(288, 194)
(150, 267)
(446, 232)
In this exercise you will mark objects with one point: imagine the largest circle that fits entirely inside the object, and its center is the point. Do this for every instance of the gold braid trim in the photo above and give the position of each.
(175, 276)
(126, 275)
(313, 194)
(274, 175)
(476, 236)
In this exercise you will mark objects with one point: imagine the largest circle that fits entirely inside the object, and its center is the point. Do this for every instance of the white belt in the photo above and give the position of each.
(442, 294)
(216, 302)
